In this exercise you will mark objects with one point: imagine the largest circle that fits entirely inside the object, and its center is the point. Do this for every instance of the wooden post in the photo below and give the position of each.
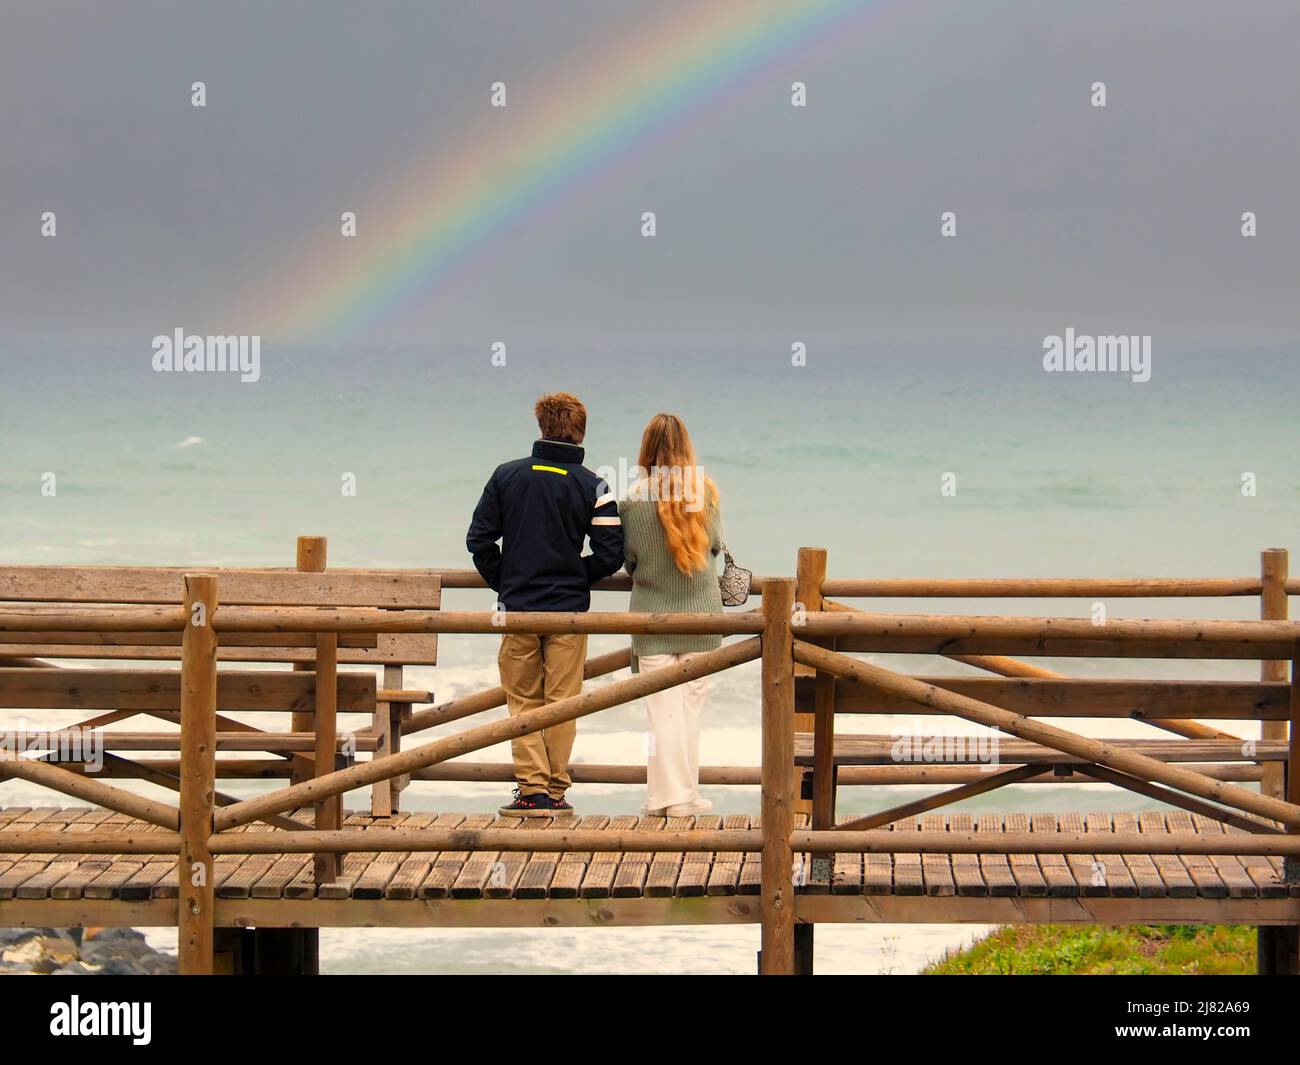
(328, 811)
(1293, 758)
(819, 802)
(275, 950)
(1273, 566)
(196, 894)
(777, 954)
(312, 556)
(1276, 945)
(388, 727)
(810, 572)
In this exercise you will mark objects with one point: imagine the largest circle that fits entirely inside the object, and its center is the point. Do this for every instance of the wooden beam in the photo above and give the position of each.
(1067, 637)
(359, 619)
(1050, 588)
(142, 690)
(1139, 700)
(132, 841)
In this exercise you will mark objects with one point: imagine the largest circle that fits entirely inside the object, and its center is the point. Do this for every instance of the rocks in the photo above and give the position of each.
(81, 952)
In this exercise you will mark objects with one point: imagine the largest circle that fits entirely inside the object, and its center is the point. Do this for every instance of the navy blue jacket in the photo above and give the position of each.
(542, 509)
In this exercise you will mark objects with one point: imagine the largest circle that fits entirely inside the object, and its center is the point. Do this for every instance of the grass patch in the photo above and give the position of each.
(1083, 950)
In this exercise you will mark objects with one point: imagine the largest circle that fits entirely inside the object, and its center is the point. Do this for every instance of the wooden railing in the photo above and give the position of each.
(801, 637)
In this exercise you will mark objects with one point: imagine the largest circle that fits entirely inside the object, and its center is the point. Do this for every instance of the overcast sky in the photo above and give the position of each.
(818, 223)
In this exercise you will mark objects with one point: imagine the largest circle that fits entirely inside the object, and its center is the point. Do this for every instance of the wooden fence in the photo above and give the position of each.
(805, 641)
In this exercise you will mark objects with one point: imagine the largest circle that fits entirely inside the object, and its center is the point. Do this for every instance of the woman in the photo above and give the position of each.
(672, 532)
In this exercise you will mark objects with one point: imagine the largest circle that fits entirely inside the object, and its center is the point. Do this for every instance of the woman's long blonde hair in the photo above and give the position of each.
(686, 499)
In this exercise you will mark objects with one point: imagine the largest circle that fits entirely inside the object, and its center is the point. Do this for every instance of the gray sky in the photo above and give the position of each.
(774, 223)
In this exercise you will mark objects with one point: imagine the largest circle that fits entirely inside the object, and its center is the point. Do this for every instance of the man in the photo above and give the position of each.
(542, 508)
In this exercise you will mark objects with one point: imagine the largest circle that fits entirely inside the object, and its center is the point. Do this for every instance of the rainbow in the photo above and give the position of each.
(455, 200)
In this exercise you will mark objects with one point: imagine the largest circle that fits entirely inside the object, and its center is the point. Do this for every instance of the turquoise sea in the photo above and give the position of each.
(1056, 475)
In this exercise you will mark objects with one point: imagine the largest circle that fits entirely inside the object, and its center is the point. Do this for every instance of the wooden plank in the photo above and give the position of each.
(447, 866)
(1230, 870)
(161, 586)
(598, 881)
(848, 876)
(666, 866)
(693, 880)
(477, 870)
(1141, 869)
(352, 866)
(91, 866)
(751, 869)
(535, 879)
(1266, 877)
(937, 868)
(724, 874)
(1178, 884)
(373, 883)
(1088, 872)
(1199, 867)
(994, 868)
(160, 689)
(413, 870)
(909, 876)
(283, 872)
(509, 865)
(418, 649)
(567, 882)
(967, 874)
(55, 868)
(1119, 881)
(1056, 870)
(1026, 874)
(634, 867)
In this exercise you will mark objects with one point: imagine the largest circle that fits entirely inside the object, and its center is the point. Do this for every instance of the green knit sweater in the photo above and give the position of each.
(659, 587)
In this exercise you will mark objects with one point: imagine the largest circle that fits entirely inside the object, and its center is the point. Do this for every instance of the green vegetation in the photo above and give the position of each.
(1034, 950)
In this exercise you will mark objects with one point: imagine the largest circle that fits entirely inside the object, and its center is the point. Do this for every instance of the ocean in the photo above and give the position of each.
(1056, 474)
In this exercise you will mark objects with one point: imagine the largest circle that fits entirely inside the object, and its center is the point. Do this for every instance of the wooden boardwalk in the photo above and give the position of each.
(457, 888)
(291, 859)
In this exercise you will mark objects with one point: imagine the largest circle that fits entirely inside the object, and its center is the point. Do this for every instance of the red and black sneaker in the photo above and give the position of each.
(527, 806)
(560, 808)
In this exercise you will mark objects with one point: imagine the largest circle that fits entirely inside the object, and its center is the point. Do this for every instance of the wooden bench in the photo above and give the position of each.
(32, 678)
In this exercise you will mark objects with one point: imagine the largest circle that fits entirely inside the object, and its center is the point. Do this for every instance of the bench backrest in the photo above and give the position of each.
(155, 586)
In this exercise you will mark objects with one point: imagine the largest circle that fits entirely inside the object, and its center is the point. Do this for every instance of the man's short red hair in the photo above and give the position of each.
(561, 416)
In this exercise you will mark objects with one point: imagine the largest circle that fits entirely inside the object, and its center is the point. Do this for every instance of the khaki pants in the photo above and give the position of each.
(536, 671)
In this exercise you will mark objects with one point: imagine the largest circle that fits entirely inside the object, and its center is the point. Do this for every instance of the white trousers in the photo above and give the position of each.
(673, 755)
